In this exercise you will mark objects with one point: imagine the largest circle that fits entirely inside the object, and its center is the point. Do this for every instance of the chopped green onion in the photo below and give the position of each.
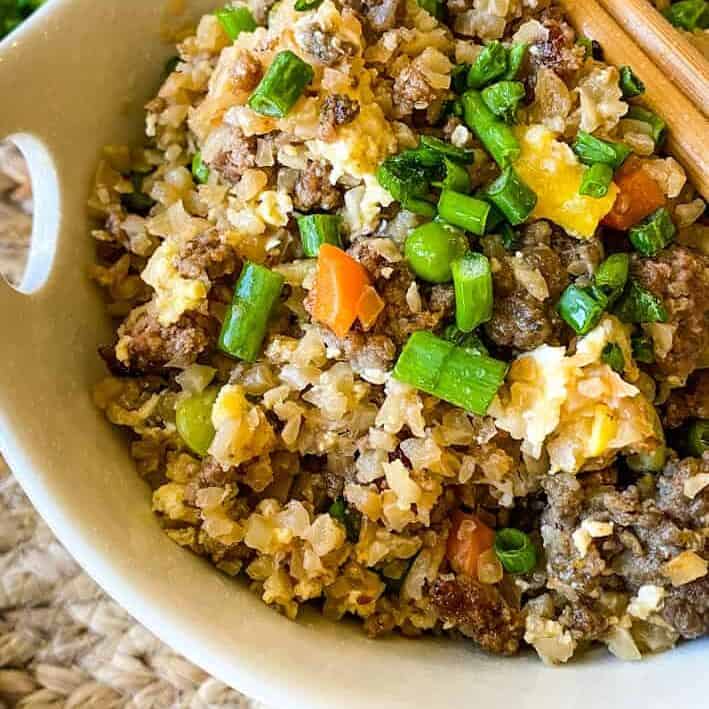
(421, 361)
(596, 180)
(464, 211)
(688, 15)
(459, 77)
(512, 196)
(515, 59)
(495, 218)
(613, 356)
(457, 178)
(246, 321)
(408, 176)
(592, 150)
(350, 519)
(580, 309)
(653, 233)
(318, 229)
(193, 419)
(432, 7)
(643, 349)
(652, 462)
(639, 305)
(235, 20)
(470, 381)
(592, 48)
(658, 126)
(497, 137)
(515, 551)
(698, 437)
(305, 5)
(200, 171)
(467, 340)
(612, 274)
(491, 64)
(472, 278)
(430, 249)
(503, 99)
(447, 149)
(630, 85)
(451, 373)
(137, 201)
(282, 85)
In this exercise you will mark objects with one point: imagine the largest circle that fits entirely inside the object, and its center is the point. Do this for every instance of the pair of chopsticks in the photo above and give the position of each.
(675, 74)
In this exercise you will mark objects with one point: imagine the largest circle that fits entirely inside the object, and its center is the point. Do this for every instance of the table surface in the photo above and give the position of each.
(63, 642)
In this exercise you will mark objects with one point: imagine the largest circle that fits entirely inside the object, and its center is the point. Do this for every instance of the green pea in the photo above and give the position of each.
(431, 248)
(194, 420)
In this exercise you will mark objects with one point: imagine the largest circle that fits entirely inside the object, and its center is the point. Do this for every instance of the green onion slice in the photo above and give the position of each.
(257, 292)
(305, 5)
(639, 305)
(503, 99)
(580, 309)
(612, 274)
(512, 196)
(467, 340)
(612, 355)
(688, 15)
(643, 349)
(464, 211)
(497, 137)
(596, 180)
(515, 59)
(630, 85)
(236, 20)
(653, 233)
(200, 171)
(491, 64)
(447, 149)
(657, 125)
(282, 86)
(515, 551)
(318, 229)
(592, 150)
(472, 279)
(451, 373)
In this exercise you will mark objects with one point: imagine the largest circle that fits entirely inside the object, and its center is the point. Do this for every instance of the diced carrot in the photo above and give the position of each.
(369, 307)
(639, 196)
(339, 285)
(467, 540)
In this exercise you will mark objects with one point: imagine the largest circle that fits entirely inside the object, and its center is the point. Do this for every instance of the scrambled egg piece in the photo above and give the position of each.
(552, 170)
(174, 294)
(574, 406)
(242, 430)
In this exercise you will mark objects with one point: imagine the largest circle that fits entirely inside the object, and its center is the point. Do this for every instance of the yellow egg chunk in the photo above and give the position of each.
(552, 170)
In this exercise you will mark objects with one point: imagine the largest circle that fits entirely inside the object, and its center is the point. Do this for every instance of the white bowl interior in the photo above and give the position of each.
(78, 74)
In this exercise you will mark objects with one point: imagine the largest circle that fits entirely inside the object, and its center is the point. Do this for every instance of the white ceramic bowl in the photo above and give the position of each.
(72, 80)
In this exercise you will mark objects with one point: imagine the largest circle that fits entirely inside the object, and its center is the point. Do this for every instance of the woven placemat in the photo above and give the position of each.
(63, 642)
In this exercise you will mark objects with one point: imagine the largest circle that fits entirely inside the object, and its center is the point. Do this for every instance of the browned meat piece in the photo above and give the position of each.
(328, 48)
(520, 320)
(211, 473)
(246, 71)
(585, 620)
(313, 189)
(412, 91)
(580, 257)
(151, 347)
(337, 110)
(679, 277)
(647, 534)
(208, 255)
(690, 402)
(237, 155)
(480, 612)
(392, 281)
(559, 50)
(671, 498)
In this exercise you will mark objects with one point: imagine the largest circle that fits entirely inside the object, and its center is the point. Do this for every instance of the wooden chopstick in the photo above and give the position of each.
(667, 47)
(688, 135)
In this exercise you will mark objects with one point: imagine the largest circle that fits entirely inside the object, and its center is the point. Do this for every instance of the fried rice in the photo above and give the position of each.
(329, 479)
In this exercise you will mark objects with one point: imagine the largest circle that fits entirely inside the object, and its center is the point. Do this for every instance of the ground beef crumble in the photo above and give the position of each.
(236, 156)
(206, 256)
(337, 110)
(679, 278)
(313, 189)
